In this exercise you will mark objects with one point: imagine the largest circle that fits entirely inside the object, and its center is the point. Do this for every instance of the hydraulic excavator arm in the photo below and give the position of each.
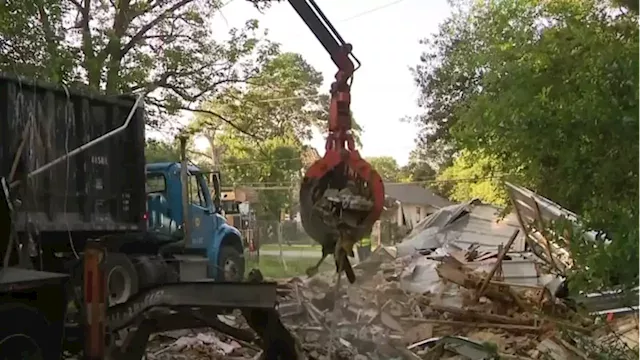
(340, 52)
(341, 196)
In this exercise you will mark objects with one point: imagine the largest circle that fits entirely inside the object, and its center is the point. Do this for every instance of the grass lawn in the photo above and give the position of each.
(272, 267)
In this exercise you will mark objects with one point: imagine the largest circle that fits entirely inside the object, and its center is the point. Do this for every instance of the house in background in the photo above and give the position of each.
(238, 194)
(414, 203)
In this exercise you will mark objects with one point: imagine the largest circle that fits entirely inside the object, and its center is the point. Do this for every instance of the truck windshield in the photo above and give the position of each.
(156, 183)
(196, 195)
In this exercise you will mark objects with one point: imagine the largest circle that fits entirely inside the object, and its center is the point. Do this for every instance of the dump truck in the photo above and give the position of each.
(106, 191)
(94, 241)
(83, 218)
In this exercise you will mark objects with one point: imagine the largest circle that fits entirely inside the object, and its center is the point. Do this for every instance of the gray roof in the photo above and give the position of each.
(415, 194)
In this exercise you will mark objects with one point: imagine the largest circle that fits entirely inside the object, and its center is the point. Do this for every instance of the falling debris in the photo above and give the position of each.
(449, 299)
(378, 319)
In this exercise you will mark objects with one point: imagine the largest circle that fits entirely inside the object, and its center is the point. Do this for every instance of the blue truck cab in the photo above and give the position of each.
(210, 240)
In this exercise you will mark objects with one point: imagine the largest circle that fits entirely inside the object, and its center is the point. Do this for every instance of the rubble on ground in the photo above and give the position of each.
(452, 298)
(460, 313)
(194, 344)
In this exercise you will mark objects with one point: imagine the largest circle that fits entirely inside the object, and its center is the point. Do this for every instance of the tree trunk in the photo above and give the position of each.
(90, 63)
(211, 137)
(53, 71)
(114, 47)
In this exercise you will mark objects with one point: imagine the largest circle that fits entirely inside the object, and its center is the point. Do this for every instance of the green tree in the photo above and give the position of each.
(386, 166)
(32, 40)
(272, 116)
(281, 100)
(548, 89)
(473, 175)
(446, 80)
(356, 131)
(418, 169)
(272, 165)
(161, 151)
(125, 46)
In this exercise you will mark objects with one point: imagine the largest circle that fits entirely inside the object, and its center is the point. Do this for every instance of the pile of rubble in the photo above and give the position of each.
(464, 312)
(456, 309)
(460, 286)
(195, 344)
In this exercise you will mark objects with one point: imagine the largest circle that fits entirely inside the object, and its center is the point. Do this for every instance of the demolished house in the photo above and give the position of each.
(470, 227)
(466, 283)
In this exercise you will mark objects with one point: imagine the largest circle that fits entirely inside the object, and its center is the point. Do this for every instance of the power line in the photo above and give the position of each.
(284, 185)
(261, 162)
(290, 98)
(232, 163)
(366, 12)
(222, 5)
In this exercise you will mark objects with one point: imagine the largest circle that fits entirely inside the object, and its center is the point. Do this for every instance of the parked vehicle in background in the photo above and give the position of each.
(240, 215)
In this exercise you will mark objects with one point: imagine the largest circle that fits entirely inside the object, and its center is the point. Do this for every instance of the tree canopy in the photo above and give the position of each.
(417, 169)
(273, 167)
(473, 176)
(282, 99)
(276, 113)
(254, 103)
(546, 92)
(163, 47)
(386, 166)
(161, 151)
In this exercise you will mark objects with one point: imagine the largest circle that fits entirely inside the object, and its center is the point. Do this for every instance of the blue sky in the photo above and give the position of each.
(384, 35)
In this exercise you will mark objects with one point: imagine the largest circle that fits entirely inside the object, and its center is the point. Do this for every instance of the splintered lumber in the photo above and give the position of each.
(451, 270)
(527, 328)
(495, 267)
(510, 284)
(475, 315)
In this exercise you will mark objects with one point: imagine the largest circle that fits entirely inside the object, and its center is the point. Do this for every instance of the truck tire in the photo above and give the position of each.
(121, 277)
(230, 264)
(153, 271)
(24, 334)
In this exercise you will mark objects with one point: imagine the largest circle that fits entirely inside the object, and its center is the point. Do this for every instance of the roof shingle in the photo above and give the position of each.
(415, 194)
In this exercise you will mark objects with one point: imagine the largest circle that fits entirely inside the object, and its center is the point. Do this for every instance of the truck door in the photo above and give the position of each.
(200, 211)
(159, 212)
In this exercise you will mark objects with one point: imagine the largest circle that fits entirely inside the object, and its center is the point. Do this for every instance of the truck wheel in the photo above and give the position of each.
(23, 334)
(153, 271)
(230, 264)
(122, 278)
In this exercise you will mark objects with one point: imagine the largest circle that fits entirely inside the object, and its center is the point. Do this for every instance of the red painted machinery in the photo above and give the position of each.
(341, 196)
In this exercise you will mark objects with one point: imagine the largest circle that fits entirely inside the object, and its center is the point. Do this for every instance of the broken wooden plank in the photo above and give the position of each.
(474, 324)
(497, 264)
(475, 315)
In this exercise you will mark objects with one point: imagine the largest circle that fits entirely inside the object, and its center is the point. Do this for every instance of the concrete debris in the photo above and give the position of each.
(448, 298)
(199, 345)
(440, 305)
(459, 313)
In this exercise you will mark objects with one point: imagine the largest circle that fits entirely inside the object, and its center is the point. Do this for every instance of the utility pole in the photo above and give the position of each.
(184, 179)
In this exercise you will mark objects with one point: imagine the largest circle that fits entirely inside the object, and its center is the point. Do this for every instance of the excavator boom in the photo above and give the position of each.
(325, 32)
(341, 196)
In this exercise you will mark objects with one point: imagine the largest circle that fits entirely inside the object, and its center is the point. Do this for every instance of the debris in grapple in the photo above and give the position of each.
(344, 213)
(341, 195)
